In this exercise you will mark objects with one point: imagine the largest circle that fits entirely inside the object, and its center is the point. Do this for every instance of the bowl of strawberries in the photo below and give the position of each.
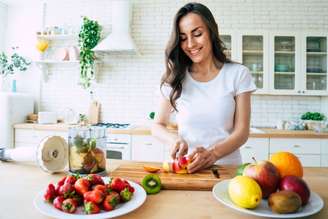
(90, 196)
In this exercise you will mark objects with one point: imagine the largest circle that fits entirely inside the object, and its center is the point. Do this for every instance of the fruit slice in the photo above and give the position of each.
(151, 169)
(151, 183)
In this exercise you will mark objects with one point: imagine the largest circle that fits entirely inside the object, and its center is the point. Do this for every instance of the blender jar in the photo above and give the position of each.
(87, 150)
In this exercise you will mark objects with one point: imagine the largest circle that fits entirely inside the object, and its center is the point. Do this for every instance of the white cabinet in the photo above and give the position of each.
(314, 63)
(283, 63)
(253, 53)
(147, 148)
(255, 147)
(324, 152)
(306, 149)
(31, 137)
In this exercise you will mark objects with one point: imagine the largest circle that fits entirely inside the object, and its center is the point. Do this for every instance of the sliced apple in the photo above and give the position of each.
(151, 169)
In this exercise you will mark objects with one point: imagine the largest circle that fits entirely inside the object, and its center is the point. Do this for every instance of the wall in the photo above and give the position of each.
(3, 24)
(127, 83)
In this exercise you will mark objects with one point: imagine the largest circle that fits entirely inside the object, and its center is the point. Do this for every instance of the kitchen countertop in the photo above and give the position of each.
(20, 183)
(144, 130)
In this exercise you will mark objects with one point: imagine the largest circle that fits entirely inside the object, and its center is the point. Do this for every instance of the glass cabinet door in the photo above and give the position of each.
(316, 63)
(227, 43)
(284, 62)
(252, 56)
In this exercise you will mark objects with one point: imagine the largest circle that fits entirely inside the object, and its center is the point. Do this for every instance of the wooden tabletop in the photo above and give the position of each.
(20, 183)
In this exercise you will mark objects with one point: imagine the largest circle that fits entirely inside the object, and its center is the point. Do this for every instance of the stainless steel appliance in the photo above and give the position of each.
(118, 146)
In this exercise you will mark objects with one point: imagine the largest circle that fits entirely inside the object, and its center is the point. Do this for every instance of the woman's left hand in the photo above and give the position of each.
(201, 159)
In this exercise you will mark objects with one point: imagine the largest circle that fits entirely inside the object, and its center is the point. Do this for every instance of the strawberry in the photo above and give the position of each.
(50, 193)
(102, 188)
(95, 196)
(95, 179)
(58, 201)
(118, 184)
(126, 195)
(69, 205)
(91, 208)
(61, 181)
(70, 179)
(66, 190)
(82, 185)
(111, 201)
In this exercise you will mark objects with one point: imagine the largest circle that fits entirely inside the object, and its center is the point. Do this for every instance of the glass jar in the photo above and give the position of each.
(87, 150)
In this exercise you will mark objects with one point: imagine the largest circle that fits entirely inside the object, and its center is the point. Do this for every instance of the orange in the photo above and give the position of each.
(287, 164)
(151, 169)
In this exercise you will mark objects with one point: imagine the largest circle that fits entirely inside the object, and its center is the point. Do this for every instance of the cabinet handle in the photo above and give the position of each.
(148, 143)
(299, 91)
(297, 146)
(248, 147)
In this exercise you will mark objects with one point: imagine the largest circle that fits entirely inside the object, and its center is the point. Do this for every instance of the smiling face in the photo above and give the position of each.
(195, 38)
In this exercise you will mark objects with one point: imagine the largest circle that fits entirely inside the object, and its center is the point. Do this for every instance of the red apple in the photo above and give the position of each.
(183, 162)
(296, 184)
(265, 174)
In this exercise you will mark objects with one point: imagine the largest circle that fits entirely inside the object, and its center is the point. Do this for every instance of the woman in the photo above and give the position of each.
(210, 94)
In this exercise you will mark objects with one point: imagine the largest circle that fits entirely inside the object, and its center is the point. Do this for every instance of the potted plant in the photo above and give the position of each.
(89, 37)
(11, 64)
(313, 120)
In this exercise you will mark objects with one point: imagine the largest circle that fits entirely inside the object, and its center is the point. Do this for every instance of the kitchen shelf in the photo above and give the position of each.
(285, 52)
(58, 37)
(284, 73)
(316, 53)
(252, 52)
(44, 65)
(316, 74)
(56, 62)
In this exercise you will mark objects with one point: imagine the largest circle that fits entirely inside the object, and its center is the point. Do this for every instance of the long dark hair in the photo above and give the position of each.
(177, 62)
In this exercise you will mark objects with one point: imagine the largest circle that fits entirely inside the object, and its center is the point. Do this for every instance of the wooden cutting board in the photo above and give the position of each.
(202, 180)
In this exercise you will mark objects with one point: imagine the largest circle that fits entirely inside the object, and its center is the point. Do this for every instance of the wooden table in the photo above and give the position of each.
(20, 183)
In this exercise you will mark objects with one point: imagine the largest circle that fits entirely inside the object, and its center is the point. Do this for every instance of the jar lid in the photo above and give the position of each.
(52, 154)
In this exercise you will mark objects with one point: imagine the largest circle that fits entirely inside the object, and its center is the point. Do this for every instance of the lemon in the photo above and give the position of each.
(42, 45)
(245, 192)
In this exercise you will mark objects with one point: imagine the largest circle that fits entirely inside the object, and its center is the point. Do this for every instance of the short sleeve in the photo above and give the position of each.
(245, 82)
(165, 90)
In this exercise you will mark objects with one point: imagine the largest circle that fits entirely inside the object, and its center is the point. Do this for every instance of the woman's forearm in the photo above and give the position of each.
(163, 134)
(230, 144)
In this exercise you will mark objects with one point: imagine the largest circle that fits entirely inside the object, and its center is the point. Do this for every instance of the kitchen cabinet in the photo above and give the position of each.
(253, 53)
(147, 148)
(283, 63)
(307, 150)
(255, 147)
(314, 63)
(31, 137)
(324, 153)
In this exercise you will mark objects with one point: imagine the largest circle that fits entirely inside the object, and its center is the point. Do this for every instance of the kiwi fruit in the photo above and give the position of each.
(284, 202)
(151, 183)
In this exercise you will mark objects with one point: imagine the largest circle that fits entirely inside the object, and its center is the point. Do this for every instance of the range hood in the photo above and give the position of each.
(120, 38)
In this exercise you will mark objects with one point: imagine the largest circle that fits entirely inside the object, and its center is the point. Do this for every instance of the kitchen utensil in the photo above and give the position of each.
(87, 150)
(138, 198)
(50, 155)
(94, 112)
(202, 180)
(220, 193)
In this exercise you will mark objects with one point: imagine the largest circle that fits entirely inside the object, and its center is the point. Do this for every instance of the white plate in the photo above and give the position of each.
(220, 193)
(137, 200)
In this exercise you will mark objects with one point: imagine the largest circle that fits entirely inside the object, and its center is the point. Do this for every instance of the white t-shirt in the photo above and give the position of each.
(206, 109)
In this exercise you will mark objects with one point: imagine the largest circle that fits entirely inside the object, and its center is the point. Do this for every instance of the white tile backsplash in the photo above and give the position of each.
(127, 83)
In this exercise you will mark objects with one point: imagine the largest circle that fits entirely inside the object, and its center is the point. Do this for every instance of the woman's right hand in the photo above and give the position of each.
(179, 148)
